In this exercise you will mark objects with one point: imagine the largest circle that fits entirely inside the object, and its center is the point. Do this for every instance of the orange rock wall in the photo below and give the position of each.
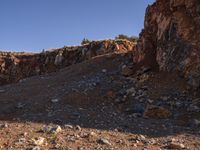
(16, 66)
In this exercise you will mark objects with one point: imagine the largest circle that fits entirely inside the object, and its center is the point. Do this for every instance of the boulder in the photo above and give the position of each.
(156, 112)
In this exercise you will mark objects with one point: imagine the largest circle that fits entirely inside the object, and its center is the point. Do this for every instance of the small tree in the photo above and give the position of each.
(85, 41)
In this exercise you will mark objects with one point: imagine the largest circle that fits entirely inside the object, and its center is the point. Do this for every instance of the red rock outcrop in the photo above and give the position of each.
(16, 66)
(170, 39)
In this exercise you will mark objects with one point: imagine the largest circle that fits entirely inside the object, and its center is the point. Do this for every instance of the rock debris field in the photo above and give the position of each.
(109, 94)
(100, 104)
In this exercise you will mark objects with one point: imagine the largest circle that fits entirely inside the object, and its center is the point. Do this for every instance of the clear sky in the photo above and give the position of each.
(33, 25)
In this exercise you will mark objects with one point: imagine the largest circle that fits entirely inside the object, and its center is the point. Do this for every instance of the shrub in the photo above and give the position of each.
(129, 38)
(85, 41)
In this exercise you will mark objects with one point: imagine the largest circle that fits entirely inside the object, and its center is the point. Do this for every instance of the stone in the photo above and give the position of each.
(51, 130)
(117, 100)
(93, 134)
(56, 130)
(124, 66)
(193, 108)
(197, 122)
(59, 58)
(20, 141)
(5, 125)
(152, 141)
(84, 135)
(164, 98)
(25, 134)
(78, 128)
(55, 100)
(126, 71)
(103, 141)
(156, 112)
(2, 91)
(68, 126)
(104, 70)
(175, 146)
(131, 91)
(20, 105)
(39, 141)
(143, 78)
(150, 101)
(142, 137)
(35, 148)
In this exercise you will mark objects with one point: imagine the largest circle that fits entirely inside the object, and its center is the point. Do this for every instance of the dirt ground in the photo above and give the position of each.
(92, 106)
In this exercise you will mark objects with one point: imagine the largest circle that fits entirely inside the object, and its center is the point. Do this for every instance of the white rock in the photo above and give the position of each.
(2, 91)
(57, 129)
(93, 134)
(55, 100)
(39, 141)
(25, 134)
(36, 148)
(131, 91)
(59, 58)
(52, 130)
(124, 66)
(142, 137)
(20, 105)
(150, 101)
(5, 125)
(78, 128)
(104, 70)
(133, 94)
(68, 126)
(117, 100)
(104, 141)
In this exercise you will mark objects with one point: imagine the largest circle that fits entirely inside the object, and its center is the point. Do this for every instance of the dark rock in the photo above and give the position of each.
(156, 112)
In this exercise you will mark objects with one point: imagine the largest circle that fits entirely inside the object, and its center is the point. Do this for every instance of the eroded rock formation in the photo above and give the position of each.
(16, 66)
(170, 40)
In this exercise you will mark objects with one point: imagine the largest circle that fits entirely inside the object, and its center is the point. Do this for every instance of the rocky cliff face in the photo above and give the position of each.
(170, 40)
(16, 66)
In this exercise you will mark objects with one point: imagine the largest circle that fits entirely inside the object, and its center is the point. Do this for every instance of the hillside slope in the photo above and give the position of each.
(97, 106)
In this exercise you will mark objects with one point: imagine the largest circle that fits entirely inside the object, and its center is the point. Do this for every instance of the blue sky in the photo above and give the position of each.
(33, 25)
